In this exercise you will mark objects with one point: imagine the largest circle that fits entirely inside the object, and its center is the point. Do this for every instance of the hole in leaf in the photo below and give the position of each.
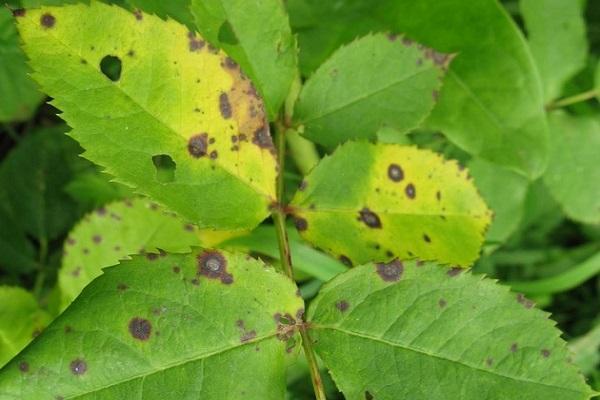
(227, 35)
(165, 168)
(111, 67)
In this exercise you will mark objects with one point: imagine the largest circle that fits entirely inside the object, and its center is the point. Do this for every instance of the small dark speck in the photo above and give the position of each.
(24, 366)
(514, 347)
(342, 305)
(426, 238)
(301, 224)
(489, 362)
(454, 271)
(78, 367)
(48, 20)
(410, 191)
(545, 353)
(442, 303)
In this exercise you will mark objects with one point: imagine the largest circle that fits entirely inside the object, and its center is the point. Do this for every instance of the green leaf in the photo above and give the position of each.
(376, 202)
(258, 37)
(94, 189)
(175, 98)
(505, 192)
(20, 95)
(557, 38)
(414, 331)
(177, 9)
(491, 102)
(379, 80)
(35, 196)
(22, 320)
(114, 232)
(573, 174)
(16, 251)
(218, 326)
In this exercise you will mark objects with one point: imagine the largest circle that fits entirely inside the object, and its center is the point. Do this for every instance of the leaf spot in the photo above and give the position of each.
(390, 272)
(524, 301)
(213, 265)
(369, 218)
(225, 106)
(545, 353)
(24, 367)
(345, 260)
(48, 20)
(395, 173)
(140, 328)
(197, 145)
(342, 305)
(410, 191)
(78, 367)
(301, 224)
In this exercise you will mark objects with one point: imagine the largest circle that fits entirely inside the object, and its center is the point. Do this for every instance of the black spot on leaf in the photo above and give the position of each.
(197, 145)
(301, 223)
(410, 191)
(140, 328)
(395, 173)
(262, 138)
(78, 367)
(442, 303)
(111, 67)
(426, 238)
(391, 271)
(24, 366)
(369, 218)
(454, 271)
(342, 305)
(213, 265)
(225, 106)
(345, 260)
(47, 20)
(514, 347)
(19, 12)
(545, 353)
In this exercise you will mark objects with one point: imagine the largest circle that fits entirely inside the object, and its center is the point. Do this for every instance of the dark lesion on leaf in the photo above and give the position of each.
(19, 12)
(195, 44)
(524, 301)
(390, 272)
(48, 20)
(213, 265)
(300, 223)
(78, 367)
(224, 105)
(140, 328)
(369, 218)
(345, 260)
(395, 172)
(198, 145)
(411, 191)
(342, 305)
(454, 271)
(262, 138)
(24, 367)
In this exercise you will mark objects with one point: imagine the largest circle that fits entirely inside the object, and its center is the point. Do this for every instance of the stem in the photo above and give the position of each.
(567, 101)
(286, 262)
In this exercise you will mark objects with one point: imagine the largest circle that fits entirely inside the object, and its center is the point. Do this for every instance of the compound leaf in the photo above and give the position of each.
(19, 94)
(573, 174)
(114, 232)
(376, 202)
(22, 320)
(557, 39)
(414, 331)
(141, 93)
(376, 81)
(214, 316)
(258, 37)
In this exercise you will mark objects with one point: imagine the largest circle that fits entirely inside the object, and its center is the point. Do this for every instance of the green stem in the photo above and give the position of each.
(578, 98)
(286, 262)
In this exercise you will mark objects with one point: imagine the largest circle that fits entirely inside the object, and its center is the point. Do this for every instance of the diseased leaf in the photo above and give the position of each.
(557, 38)
(414, 331)
(19, 95)
(504, 191)
(176, 9)
(491, 102)
(219, 326)
(573, 174)
(376, 202)
(22, 320)
(33, 177)
(377, 81)
(170, 97)
(258, 37)
(114, 232)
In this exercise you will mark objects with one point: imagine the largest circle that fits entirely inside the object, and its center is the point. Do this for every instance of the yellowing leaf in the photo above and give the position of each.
(376, 202)
(140, 92)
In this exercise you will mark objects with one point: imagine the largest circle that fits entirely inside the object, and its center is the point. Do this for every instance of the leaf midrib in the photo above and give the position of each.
(439, 357)
(177, 364)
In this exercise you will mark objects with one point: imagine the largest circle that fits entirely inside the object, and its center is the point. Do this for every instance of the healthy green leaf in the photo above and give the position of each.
(491, 102)
(376, 202)
(114, 232)
(258, 37)
(173, 97)
(573, 174)
(22, 320)
(16, 251)
(33, 184)
(414, 331)
(177, 9)
(557, 39)
(505, 192)
(19, 94)
(218, 326)
(585, 349)
(379, 80)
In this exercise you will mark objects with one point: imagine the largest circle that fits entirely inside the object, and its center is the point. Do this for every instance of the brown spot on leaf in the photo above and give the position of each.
(140, 328)
(514, 347)
(390, 272)
(78, 367)
(121, 287)
(395, 173)
(302, 185)
(440, 59)
(545, 353)
(454, 271)
(151, 256)
(138, 14)
(24, 366)
(176, 269)
(410, 191)
(426, 238)
(369, 218)
(392, 37)
(345, 260)
(407, 41)
(197, 145)
(438, 195)
(246, 336)
(342, 305)
(19, 12)
(442, 303)
(68, 329)
(225, 106)
(489, 362)
(47, 20)
(229, 63)
(301, 223)
(213, 265)
(214, 155)
(524, 301)
(262, 138)
(97, 239)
